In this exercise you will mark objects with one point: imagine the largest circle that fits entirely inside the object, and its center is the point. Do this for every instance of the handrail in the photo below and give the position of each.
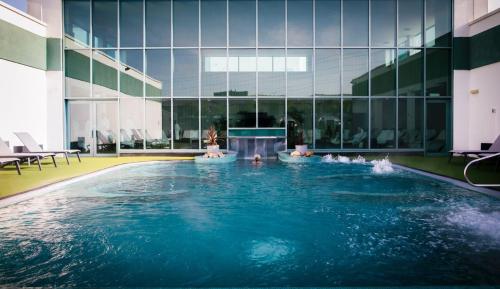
(476, 161)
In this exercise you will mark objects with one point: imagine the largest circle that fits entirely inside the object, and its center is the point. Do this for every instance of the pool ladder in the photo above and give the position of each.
(477, 161)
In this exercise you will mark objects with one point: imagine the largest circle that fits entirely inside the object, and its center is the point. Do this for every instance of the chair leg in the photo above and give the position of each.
(39, 164)
(78, 156)
(18, 168)
(66, 156)
(54, 161)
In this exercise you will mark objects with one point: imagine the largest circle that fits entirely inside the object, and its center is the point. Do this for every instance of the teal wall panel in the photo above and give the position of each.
(54, 54)
(477, 51)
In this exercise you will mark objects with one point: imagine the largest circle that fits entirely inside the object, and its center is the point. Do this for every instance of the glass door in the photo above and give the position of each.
(80, 126)
(438, 132)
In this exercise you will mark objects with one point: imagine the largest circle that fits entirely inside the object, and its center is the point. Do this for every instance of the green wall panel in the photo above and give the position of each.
(476, 51)
(54, 54)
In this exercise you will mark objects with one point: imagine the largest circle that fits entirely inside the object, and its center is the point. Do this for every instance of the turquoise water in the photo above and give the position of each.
(181, 224)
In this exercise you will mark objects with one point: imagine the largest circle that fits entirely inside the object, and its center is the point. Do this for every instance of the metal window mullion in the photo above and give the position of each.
(341, 75)
(199, 74)
(256, 61)
(313, 66)
(118, 67)
(227, 75)
(397, 75)
(171, 75)
(424, 80)
(369, 75)
(144, 67)
(286, 68)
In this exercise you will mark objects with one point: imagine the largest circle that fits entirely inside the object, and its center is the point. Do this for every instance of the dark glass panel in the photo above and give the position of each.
(383, 23)
(355, 120)
(272, 23)
(214, 113)
(271, 65)
(300, 23)
(77, 73)
(213, 23)
(106, 126)
(383, 72)
(185, 23)
(158, 128)
(383, 123)
(242, 113)
(299, 72)
(327, 22)
(327, 70)
(438, 23)
(79, 134)
(242, 72)
(438, 134)
(157, 72)
(242, 23)
(271, 112)
(104, 73)
(186, 126)
(355, 23)
(328, 123)
(300, 121)
(410, 23)
(131, 22)
(157, 23)
(185, 76)
(213, 72)
(438, 72)
(355, 81)
(131, 72)
(77, 23)
(411, 69)
(410, 123)
(131, 123)
(104, 23)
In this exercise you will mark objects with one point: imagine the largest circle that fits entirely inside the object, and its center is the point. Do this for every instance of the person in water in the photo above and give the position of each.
(257, 159)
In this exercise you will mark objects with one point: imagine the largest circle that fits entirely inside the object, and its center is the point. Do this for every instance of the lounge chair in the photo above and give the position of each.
(33, 147)
(494, 148)
(7, 161)
(6, 153)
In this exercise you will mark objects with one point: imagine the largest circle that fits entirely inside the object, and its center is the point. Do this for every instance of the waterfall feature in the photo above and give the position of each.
(266, 147)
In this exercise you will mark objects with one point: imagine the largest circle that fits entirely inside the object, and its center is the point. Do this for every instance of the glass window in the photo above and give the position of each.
(410, 122)
(411, 69)
(438, 127)
(79, 126)
(242, 112)
(214, 113)
(242, 67)
(271, 112)
(438, 23)
(131, 123)
(213, 23)
(106, 126)
(383, 122)
(272, 23)
(410, 23)
(383, 23)
(383, 72)
(158, 123)
(299, 72)
(355, 23)
(213, 72)
(327, 22)
(355, 81)
(131, 72)
(355, 120)
(328, 123)
(438, 72)
(242, 23)
(77, 23)
(104, 23)
(327, 71)
(186, 130)
(185, 23)
(300, 121)
(157, 23)
(77, 72)
(157, 72)
(131, 23)
(104, 73)
(300, 23)
(185, 72)
(271, 65)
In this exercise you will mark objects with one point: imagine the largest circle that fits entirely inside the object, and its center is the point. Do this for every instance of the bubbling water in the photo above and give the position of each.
(383, 166)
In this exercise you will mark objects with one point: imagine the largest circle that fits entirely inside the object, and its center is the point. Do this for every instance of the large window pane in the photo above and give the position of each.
(355, 81)
(328, 123)
(185, 72)
(410, 122)
(299, 72)
(242, 72)
(77, 23)
(410, 23)
(213, 72)
(383, 72)
(104, 73)
(158, 127)
(79, 126)
(355, 122)
(300, 121)
(271, 65)
(185, 23)
(271, 112)
(300, 23)
(131, 123)
(157, 72)
(355, 23)
(157, 23)
(106, 126)
(77, 72)
(383, 122)
(131, 72)
(411, 69)
(272, 23)
(104, 23)
(242, 23)
(213, 23)
(131, 23)
(242, 113)
(383, 23)
(438, 126)
(438, 23)
(186, 129)
(214, 113)
(327, 71)
(438, 72)
(327, 22)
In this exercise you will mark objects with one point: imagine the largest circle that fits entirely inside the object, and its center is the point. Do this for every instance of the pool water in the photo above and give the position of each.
(182, 224)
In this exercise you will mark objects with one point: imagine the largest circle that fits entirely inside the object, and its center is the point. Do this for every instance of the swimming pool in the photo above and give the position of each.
(182, 224)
